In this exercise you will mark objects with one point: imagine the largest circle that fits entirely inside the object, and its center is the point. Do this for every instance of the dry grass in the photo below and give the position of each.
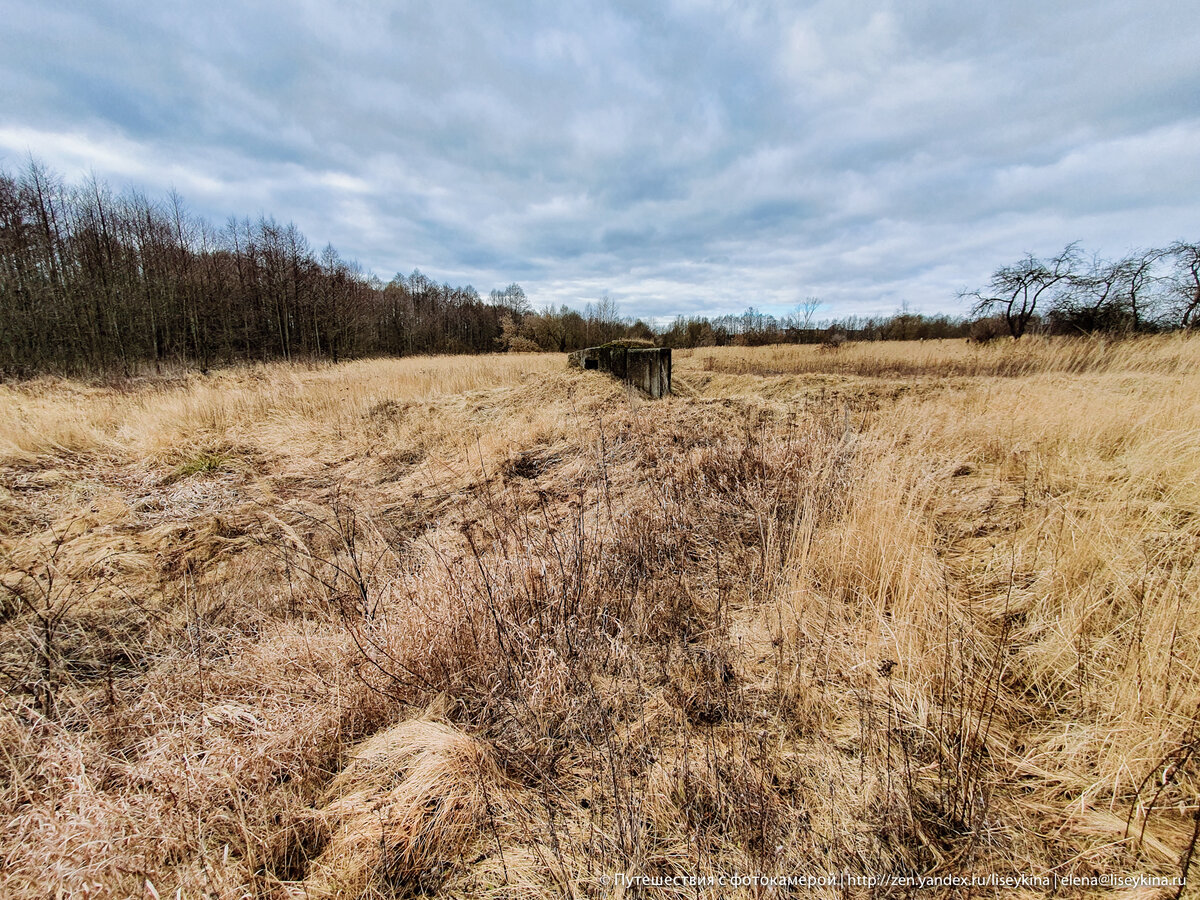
(474, 626)
(1001, 358)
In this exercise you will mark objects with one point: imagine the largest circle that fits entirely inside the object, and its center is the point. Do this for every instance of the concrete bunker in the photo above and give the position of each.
(646, 368)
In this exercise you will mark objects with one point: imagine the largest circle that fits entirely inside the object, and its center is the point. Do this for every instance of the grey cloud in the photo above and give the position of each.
(688, 157)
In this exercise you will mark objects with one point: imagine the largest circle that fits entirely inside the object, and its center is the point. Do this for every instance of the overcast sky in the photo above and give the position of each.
(688, 157)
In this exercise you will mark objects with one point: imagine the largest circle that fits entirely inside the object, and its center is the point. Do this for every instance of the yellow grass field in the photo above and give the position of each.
(486, 626)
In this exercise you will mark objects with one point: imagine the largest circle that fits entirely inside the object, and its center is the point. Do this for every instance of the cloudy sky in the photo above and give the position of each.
(682, 157)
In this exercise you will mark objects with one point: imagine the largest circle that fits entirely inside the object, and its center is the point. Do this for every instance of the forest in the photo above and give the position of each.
(95, 281)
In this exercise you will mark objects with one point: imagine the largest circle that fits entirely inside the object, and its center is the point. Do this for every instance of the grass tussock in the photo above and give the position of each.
(489, 626)
(410, 801)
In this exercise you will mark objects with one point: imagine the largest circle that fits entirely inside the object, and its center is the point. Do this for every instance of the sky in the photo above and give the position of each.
(683, 158)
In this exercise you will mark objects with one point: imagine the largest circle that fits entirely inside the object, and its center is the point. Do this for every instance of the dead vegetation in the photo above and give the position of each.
(486, 626)
(986, 355)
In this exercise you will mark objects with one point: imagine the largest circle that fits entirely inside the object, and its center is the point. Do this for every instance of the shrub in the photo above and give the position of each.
(523, 345)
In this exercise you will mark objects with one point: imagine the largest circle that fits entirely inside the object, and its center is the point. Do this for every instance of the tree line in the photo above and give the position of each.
(754, 328)
(1073, 293)
(96, 281)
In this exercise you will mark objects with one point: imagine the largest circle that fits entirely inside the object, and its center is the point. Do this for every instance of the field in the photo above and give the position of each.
(486, 626)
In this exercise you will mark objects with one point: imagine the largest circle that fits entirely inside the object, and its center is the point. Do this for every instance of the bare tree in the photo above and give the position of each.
(1091, 302)
(512, 299)
(1015, 291)
(1109, 295)
(806, 309)
(1185, 284)
(1138, 279)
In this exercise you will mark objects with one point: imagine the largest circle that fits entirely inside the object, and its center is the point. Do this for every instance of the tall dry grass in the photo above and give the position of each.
(1174, 354)
(272, 406)
(487, 626)
(1027, 558)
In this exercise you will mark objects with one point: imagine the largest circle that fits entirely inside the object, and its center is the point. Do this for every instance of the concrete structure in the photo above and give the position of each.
(646, 368)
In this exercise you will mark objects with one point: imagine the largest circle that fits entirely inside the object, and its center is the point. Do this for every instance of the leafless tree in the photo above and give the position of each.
(1016, 291)
(1107, 295)
(1185, 284)
(1137, 281)
(806, 309)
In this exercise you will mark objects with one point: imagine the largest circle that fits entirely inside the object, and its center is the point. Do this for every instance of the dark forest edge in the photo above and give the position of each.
(94, 282)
